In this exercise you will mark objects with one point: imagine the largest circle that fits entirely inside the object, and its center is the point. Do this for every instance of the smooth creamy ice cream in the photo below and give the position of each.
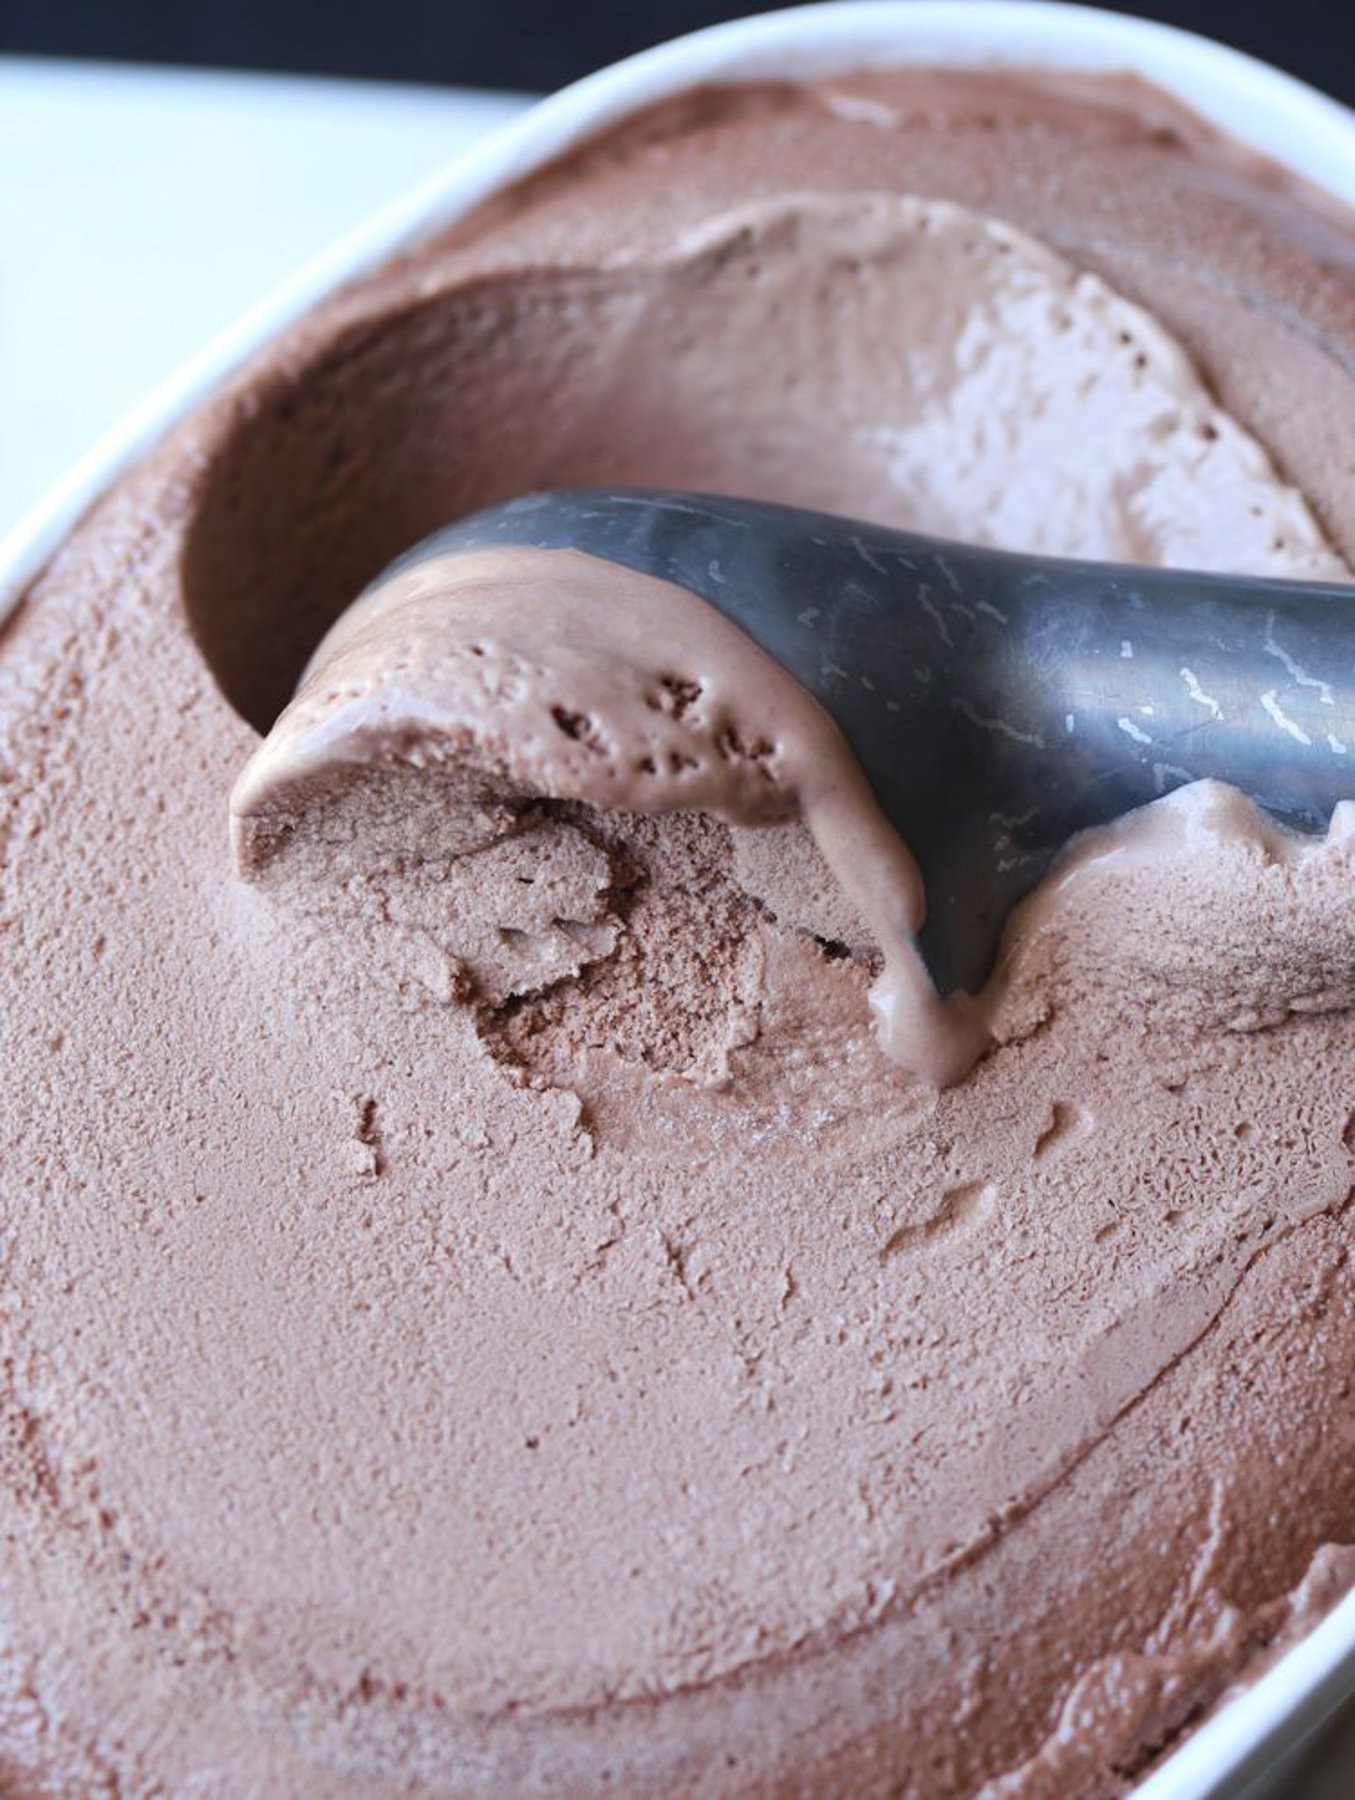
(481, 1312)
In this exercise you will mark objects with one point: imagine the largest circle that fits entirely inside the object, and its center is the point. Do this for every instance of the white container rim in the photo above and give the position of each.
(1305, 131)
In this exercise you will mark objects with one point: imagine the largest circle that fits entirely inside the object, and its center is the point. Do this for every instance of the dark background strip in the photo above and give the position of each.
(539, 44)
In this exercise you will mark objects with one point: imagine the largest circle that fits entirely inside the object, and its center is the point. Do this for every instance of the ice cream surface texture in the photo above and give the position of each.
(481, 1313)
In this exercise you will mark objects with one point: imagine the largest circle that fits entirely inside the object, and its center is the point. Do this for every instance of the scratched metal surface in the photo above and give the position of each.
(998, 704)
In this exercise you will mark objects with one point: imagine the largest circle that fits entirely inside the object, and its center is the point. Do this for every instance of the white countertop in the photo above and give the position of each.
(143, 210)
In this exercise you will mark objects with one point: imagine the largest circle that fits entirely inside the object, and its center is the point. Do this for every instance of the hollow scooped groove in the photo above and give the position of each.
(371, 434)
(397, 426)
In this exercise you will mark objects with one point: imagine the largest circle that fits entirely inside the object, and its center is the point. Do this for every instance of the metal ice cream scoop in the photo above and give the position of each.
(997, 703)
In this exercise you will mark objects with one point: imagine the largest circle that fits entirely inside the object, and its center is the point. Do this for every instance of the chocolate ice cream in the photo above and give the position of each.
(482, 1311)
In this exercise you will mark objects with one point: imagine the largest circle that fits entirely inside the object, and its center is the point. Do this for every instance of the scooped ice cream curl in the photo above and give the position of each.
(969, 362)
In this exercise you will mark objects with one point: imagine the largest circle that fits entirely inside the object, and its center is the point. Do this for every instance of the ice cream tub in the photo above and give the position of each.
(1309, 135)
